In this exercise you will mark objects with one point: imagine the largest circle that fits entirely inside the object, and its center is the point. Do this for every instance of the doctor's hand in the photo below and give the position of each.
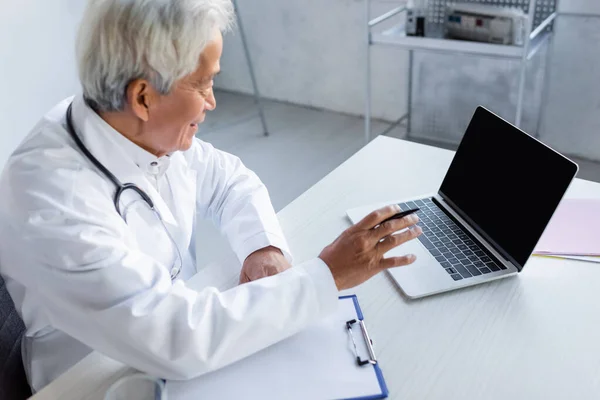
(357, 255)
(262, 263)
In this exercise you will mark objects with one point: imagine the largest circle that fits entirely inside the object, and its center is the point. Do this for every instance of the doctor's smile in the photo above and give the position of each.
(98, 246)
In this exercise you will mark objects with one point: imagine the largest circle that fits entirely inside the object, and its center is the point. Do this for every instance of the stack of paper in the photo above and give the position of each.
(573, 232)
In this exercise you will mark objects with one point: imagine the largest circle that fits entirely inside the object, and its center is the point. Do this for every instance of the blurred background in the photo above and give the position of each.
(424, 65)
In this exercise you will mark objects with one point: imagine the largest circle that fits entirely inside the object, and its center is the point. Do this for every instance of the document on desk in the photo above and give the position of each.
(318, 363)
(576, 258)
(574, 230)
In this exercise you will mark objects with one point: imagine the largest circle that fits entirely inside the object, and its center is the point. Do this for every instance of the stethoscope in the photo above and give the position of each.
(122, 188)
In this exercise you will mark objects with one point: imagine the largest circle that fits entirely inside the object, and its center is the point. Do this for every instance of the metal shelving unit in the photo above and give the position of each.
(541, 15)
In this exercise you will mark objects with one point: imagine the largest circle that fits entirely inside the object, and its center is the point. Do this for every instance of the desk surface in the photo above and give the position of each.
(534, 336)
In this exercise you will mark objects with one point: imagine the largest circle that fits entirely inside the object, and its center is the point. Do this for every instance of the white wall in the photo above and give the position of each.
(579, 6)
(448, 88)
(312, 52)
(572, 114)
(37, 63)
(308, 52)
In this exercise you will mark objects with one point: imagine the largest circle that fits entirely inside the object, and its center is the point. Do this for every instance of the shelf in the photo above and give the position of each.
(397, 37)
(382, 31)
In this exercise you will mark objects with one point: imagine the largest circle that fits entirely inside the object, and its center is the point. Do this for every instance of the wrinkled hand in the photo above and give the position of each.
(262, 263)
(357, 255)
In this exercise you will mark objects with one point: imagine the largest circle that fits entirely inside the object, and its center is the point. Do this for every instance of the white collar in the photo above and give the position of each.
(146, 161)
(106, 145)
(119, 157)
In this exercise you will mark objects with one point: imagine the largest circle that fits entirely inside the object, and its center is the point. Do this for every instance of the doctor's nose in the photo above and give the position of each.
(211, 102)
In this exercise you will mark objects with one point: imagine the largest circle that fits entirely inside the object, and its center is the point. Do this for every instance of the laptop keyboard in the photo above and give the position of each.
(456, 252)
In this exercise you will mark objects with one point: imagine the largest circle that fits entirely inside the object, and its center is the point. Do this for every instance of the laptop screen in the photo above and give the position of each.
(506, 184)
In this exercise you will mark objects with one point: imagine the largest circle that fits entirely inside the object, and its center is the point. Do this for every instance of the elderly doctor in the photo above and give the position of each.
(98, 207)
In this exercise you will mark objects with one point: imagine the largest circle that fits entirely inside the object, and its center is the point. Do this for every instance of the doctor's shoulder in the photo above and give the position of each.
(199, 153)
(204, 155)
(46, 170)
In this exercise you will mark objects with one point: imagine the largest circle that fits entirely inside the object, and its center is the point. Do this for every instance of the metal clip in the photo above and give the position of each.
(372, 359)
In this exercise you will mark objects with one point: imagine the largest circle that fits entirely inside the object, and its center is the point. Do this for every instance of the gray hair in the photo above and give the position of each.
(157, 40)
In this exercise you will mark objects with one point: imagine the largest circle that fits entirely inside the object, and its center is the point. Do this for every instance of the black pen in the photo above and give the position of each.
(400, 215)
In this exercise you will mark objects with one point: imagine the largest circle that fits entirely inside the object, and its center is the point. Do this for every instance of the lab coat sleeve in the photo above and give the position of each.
(95, 286)
(237, 201)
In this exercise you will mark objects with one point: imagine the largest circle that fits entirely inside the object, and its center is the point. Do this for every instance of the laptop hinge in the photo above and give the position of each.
(496, 254)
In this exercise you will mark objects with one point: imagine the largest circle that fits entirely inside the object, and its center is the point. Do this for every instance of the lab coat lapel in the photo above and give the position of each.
(96, 135)
(182, 180)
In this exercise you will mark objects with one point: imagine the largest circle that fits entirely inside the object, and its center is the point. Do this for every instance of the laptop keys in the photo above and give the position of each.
(456, 252)
(492, 266)
(463, 271)
(411, 205)
(474, 271)
(426, 243)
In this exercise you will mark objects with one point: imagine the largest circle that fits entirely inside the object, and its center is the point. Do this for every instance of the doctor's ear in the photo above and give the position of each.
(140, 95)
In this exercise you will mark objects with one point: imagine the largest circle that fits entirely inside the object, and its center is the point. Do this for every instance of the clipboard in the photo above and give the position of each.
(332, 359)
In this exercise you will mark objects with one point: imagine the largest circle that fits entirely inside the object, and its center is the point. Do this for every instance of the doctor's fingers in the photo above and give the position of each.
(376, 217)
(395, 225)
(244, 278)
(396, 240)
(402, 261)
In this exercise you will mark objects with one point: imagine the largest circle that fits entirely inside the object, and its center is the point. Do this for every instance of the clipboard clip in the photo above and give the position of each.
(372, 359)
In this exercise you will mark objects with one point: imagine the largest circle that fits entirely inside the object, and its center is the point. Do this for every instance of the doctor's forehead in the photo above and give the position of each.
(209, 63)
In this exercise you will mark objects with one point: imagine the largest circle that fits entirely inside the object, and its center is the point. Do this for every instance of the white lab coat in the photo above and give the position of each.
(82, 278)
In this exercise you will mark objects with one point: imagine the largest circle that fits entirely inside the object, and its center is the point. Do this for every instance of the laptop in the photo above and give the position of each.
(484, 222)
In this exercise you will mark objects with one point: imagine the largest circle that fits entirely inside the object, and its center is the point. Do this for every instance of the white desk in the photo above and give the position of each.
(535, 336)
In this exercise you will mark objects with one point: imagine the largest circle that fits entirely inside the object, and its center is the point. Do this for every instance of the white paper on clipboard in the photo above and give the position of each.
(317, 363)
